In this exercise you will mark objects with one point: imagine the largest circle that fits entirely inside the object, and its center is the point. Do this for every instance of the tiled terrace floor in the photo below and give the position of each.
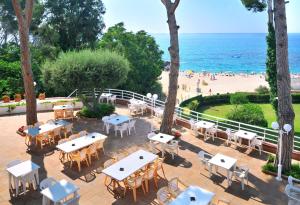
(262, 189)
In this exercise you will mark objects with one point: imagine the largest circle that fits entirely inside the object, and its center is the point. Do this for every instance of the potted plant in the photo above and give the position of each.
(18, 97)
(42, 96)
(5, 98)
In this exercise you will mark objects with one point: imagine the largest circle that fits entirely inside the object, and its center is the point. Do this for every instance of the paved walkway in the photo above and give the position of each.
(262, 189)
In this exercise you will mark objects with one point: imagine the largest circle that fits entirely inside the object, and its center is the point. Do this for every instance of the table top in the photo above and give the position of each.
(204, 124)
(137, 102)
(105, 95)
(63, 107)
(162, 138)
(23, 168)
(44, 128)
(129, 165)
(60, 190)
(119, 119)
(193, 195)
(223, 161)
(81, 142)
(245, 134)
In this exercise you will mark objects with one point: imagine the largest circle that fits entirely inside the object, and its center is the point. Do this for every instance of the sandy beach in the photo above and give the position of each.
(209, 86)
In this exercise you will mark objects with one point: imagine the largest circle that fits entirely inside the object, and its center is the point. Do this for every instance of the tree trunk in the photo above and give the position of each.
(24, 21)
(285, 109)
(167, 122)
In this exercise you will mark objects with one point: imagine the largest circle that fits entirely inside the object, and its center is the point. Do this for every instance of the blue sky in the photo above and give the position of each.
(194, 16)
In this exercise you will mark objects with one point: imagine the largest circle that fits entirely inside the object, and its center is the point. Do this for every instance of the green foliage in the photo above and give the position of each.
(271, 66)
(144, 56)
(238, 99)
(100, 110)
(193, 105)
(11, 81)
(85, 70)
(294, 172)
(255, 5)
(72, 24)
(262, 90)
(248, 113)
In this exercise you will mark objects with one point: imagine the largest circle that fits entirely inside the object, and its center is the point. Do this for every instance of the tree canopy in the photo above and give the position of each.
(255, 5)
(143, 54)
(85, 69)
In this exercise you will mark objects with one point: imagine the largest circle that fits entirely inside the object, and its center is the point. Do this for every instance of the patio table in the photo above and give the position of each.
(81, 142)
(105, 96)
(241, 134)
(204, 124)
(225, 162)
(63, 107)
(119, 119)
(59, 191)
(162, 138)
(20, 171)
(44, 128)
(129, 165)
(194, 195)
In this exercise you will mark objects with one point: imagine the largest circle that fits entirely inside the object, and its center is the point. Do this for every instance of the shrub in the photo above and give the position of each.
(262, 90)
(248, 113)
(193, 105)
(294, 172)
(238, 98)
(99, 111)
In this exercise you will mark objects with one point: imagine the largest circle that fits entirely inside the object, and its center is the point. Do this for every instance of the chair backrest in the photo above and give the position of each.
(113, 115)
(50, 121)
(150, 135)
(62, 141)
(59, 113)
(132, 123)
(69, 127)
(114, 97)
(83, 153)
(163, 195)
(201, 154)
(290, 180)
(45, 183)
(92, 148)
(228, 132)
(108, 163)
(74, 136)
(124, 126)
(150, 172)
(105, 118)
(37, 124)
(13, 163)
(99, 144)
(173, 184)
(82, 133)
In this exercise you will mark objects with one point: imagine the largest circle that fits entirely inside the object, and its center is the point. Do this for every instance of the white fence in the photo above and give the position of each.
(184, 114)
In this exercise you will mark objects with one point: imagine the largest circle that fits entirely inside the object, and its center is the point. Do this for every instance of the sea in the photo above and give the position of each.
(230, 52)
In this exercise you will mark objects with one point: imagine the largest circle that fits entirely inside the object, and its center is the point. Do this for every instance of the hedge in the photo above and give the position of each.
(225, 99)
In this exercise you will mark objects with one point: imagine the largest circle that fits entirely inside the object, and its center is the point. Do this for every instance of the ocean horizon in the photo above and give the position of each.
(223, 52)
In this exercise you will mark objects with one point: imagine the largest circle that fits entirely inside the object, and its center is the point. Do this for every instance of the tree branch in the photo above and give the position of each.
(175, 5)
(18, 10)
(28, 12)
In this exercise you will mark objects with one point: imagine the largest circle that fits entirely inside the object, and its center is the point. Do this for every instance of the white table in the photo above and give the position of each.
(204, 124)
(241, 134)
(225, 162)
(194, 195)
(20, 170)
(105, 96)
(59, 191)
(129, 165)
(162, 138)
(63, 107)
(119, 119)
(47, 127)
(81, 142)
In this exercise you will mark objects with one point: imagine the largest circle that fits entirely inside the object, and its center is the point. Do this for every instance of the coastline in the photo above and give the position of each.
(211, 84)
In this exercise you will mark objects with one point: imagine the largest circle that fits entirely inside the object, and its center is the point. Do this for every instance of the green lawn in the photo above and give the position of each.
(222, 110)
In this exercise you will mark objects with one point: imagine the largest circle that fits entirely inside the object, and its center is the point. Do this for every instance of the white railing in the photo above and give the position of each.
(185, 114)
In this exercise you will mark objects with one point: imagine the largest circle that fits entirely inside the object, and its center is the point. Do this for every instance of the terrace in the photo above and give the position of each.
(261, 189)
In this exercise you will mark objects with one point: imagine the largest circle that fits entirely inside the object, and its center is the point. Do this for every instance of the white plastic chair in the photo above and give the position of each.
(172, 148)
(82, 133)
(106, 125)
(45, 183)
(112, 99)
(293, 194)
(131, 126)
(204, 158)
(68, 129)
(113, 115)
(176, 186)
(211, 132)
(291, 181)
(230, 136)
(163, 196)
(258, 142)
(193, 126)
(121, 128)
(241, 173)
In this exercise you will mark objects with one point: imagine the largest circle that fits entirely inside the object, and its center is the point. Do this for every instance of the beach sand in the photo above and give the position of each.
(222, 84)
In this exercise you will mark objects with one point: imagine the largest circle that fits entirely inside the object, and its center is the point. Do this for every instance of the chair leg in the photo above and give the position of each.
(143, 188)
(134, 194)
(147, 185)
